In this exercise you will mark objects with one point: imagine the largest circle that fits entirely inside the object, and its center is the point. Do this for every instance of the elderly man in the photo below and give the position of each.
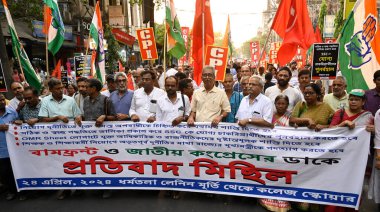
(338, 99)
(144, 101)
(243, 84)
(283, 87)
(254, 109)
(209, 104)
(29, 113)
(173, 107)
(137, 78)
(122, 97)
(244, 71)
(17, 102)
(7, 116)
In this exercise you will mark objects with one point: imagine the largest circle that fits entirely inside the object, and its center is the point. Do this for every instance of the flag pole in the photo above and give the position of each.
(203, 34)
(19, 61)
(47, 55)
(165, 47)
(265, 45)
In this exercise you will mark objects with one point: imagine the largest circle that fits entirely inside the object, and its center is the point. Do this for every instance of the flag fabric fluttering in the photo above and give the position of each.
(318, 37)
(19, 52)
(96, 33)
(200, 30)
(57, 71)
(227, 37)
(292, 23)
(53, 26)
(359, 52)
(175, 43)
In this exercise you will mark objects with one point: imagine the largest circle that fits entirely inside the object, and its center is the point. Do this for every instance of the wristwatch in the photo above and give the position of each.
(249, 121)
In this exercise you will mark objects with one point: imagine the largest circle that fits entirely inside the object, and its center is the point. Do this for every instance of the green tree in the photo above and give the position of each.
(322, 14)
(338, 23)
(113, 55)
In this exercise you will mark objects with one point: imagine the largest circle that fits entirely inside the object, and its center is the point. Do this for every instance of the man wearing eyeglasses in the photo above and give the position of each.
(255, 108)
(122, 97)
(209, 104)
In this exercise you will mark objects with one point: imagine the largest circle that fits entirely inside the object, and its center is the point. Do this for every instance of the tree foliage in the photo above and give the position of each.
(322, 14)
(338, 23)
(113, 55)
(26, 10)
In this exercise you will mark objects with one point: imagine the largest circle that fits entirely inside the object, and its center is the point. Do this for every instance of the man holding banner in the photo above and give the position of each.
(209, 104)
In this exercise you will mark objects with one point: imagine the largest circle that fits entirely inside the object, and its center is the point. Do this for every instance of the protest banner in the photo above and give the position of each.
(185, 35)
(325, 60)
(282, 163)
(147, 44)
(3, 84)
(217, 57)
(255, 53)
(82, 65)
(274, 47)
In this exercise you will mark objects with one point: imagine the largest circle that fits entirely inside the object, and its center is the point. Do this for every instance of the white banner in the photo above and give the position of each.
(282, 163)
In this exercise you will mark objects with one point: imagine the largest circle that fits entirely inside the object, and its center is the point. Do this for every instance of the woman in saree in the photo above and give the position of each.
(280, 118)
(351, 117)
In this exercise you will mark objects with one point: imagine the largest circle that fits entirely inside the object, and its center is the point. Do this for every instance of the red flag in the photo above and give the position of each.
(292, 23)
(57, 71)
(201, 6)
(130, 82)
(318, 37)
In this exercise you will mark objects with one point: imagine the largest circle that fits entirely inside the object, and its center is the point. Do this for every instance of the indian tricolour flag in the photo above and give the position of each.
(19, 52)
(359, 54)
(96, 33)
(54, 25)
(175, 43)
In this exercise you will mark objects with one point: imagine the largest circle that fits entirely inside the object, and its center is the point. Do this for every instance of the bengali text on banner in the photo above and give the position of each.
(281, 163)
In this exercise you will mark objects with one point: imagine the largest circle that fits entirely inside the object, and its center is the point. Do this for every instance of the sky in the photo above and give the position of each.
(245, 16)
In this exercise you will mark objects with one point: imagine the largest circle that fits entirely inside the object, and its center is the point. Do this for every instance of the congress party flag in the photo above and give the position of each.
(359, 54)
(54, 24)
(175, 43)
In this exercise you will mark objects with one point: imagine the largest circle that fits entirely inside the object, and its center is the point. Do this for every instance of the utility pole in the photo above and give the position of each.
(6, 66)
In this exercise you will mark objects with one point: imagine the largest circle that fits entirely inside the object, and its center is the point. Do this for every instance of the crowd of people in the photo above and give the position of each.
(270, 97)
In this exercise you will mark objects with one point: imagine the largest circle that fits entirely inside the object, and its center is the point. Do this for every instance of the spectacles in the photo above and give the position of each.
(122, 80)
(208, 75)
(309, 93)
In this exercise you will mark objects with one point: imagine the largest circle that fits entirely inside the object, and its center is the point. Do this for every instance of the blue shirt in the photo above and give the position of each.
(235, 100)
(237, 87)
(8, 117)
(122, 104)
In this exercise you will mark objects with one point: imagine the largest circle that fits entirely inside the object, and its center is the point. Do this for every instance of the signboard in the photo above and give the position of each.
(3, 84)
(38, 26)
(274, 47)
(123, 37)
(217, 57)
(255, 53)
(185, 35)
(82, 65)
(328, 29)
(325, 60)
(282, 163)
(64, 78)
(147, 44)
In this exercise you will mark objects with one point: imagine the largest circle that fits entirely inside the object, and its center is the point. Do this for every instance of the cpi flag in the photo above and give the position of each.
(54, 26)
(359, 54)
(147, 44)
(255, 53)
(203, 35)
(175, 43)
(96, 33)
(20, 53)
(217, 57)
(274, 47)
(292, 23)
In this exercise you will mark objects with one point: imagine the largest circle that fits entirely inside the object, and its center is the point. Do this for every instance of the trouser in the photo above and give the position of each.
(6, 175)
